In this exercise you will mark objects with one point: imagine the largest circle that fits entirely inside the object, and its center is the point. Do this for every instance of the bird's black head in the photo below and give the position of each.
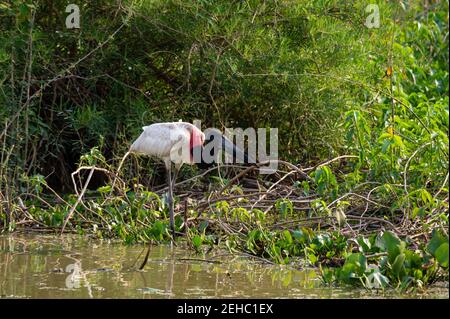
(214, 147)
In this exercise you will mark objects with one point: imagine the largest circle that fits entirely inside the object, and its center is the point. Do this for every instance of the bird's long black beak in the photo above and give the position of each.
(239, 156)
(216, 141)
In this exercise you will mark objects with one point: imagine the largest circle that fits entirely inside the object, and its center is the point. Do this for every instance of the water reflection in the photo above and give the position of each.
(42, 266)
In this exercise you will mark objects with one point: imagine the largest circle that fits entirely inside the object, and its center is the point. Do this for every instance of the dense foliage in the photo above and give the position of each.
(312, 69)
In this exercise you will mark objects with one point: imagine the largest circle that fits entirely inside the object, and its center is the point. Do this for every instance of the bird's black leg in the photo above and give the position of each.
(170, 200)
(175, 174)
(146, 255)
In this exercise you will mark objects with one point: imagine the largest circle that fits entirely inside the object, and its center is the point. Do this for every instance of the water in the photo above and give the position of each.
(44, 266)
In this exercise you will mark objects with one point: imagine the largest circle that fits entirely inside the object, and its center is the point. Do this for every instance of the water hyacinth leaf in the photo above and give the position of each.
(398, 264)
(418, 274)
(327, 275)
(437, 239)
(347, 272)
(412, 259)
(158, 229)
(376, 280)
(359, 261)
(300, 236)
(319, 240)
(354, 268)
(364, 244)
(442, 255)
(390, 243)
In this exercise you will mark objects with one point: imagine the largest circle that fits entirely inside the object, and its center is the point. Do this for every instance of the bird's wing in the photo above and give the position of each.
(181, 147)
(154, 140)
(160, 140)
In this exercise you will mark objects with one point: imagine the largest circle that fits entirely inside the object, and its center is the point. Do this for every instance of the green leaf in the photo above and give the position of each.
(376, 280)
(203, 225)
(285, 207)
(340, 216)
(23, 8)
(287, 236)
(300, 236)
(442, 255)
(364, 244)
(259, 214)
(397, 266)
(412, 259)
(426, 196)
(305, 186)
(437, 239)
(104, 189)
(390, 243)
(157, 229)
(312, 258)
(354, 267)
(386, 144)
(398, 141)
(197, 241)
(359, 260)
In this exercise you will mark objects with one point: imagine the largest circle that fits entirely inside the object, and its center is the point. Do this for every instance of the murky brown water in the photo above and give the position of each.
(42, 266)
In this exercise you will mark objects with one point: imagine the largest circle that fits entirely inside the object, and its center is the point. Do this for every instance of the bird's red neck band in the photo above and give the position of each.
(196, 139)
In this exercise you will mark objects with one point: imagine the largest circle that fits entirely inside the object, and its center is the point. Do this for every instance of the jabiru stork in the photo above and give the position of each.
(182, 143)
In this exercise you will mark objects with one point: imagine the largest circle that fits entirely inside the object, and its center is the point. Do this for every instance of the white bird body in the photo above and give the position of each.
(171, 142)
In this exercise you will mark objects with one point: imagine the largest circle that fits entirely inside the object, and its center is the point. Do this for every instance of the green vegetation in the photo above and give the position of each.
(362, 115)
